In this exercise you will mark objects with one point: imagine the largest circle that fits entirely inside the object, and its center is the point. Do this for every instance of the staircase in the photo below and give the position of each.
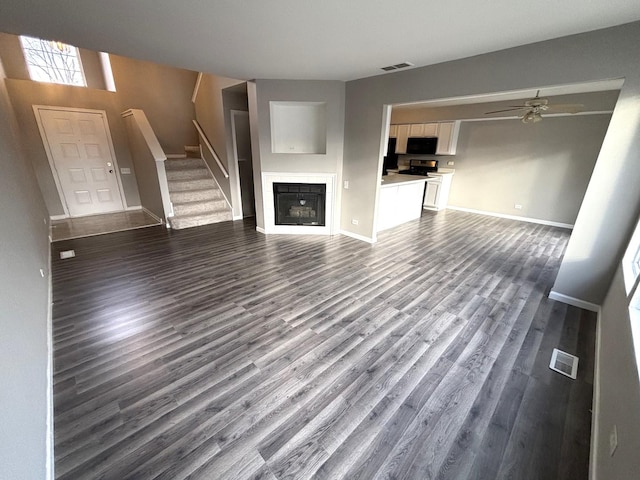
(195, 195)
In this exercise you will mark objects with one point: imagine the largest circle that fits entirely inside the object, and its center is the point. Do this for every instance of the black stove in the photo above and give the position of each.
(421, 167)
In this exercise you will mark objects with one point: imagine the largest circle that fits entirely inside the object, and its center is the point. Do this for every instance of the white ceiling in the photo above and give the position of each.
(305, 39)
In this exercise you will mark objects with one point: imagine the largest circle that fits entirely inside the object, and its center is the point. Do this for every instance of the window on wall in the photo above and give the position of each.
(53, 62)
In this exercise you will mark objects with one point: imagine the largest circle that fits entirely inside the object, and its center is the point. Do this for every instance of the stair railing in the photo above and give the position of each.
(146, 149)
(212, 151)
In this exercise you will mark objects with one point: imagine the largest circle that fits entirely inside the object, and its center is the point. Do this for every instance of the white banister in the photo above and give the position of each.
(157, 153)
(207, 144)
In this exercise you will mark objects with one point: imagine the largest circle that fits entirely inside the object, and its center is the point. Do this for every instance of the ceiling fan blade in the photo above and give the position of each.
(566, 108)
(507, 110)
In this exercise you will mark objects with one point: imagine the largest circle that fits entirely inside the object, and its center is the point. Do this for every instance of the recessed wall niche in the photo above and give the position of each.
(298, 127)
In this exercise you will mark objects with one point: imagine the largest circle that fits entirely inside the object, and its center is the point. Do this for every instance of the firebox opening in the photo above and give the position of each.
(299, 203)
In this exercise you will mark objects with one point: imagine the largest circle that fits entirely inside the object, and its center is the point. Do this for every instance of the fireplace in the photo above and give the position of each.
(299, 203)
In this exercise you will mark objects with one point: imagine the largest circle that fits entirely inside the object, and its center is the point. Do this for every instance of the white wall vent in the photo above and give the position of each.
(67, 254)
(564, 363)
(397, 66)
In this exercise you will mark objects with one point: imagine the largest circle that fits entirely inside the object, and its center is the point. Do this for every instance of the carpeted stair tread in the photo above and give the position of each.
(196, 197)
(198, 220)
(199, 206)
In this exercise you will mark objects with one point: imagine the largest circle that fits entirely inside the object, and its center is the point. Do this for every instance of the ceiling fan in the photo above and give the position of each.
(533, 108)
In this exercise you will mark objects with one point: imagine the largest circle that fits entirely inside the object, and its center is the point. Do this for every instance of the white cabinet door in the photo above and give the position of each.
(431, 195)
(403, 134)
(416, 130)
(447, 138)
(430, 129)
(393, 131)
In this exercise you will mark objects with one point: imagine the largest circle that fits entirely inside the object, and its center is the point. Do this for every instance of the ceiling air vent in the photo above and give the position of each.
(397, 66)
(564, 363)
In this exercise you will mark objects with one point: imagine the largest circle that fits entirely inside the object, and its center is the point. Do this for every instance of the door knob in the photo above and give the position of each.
(110, 171)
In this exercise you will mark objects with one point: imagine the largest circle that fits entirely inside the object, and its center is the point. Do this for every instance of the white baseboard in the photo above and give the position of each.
(237, 217)
(58, 217)
(135, 207)
(512, 217)
(357, 237)
(261, 230)
(595, 414)
(152, 215)
(576, 302)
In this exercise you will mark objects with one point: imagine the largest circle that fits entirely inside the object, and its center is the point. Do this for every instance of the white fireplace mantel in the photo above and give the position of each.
(269, 178)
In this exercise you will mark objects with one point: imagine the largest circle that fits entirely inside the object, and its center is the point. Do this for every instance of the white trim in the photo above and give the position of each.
(107, 72)
(270, 227)
(50, 462)
(261, 230)
(513, 217)
(237, 217)
(135, 207)
(196, 88)
(357, 237)
(576, 302)
(58, 217)
(47, 148)
(595, 414)
(175, 155)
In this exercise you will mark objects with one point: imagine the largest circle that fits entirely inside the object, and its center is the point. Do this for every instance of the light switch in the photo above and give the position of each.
(125, 171)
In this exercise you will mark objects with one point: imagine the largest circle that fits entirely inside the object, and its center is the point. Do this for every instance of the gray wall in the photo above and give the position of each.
(545, 167)
(164, 93)
(24, 308)
(330, 92)
(612, 202)
(146, 168)
(618, 395)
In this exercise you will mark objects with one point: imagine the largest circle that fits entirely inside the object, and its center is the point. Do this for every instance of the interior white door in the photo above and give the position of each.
(79, 148)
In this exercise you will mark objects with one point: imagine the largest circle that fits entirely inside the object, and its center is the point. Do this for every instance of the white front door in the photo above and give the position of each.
(80, 151)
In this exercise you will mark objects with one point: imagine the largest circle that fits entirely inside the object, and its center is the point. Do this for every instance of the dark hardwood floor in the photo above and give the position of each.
(221, 353)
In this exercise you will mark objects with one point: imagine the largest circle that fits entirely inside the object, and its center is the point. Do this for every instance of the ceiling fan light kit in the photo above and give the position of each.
(531, 117)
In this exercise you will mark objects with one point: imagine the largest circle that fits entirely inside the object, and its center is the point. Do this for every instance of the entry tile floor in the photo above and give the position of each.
(100, 224)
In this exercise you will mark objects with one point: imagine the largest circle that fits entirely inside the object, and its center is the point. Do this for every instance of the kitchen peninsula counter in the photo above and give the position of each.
(400, 199)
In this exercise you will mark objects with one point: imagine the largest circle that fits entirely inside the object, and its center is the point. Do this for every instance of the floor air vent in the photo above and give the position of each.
(564, 363)
(67, 254)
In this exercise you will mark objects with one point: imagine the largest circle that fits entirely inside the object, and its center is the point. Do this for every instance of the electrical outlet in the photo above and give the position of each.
(346, 184)
(517, 206)
(354, 221)
(613, 440)
(451, 163)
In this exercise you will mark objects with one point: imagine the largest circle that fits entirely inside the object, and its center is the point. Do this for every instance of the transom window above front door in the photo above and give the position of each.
(53, 62)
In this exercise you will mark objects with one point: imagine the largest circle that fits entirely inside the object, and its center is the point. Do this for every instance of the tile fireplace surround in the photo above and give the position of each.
(328, 179)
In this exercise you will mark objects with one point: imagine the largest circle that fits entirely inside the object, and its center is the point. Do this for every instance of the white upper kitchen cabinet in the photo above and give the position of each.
(403, 135)
(423, 130)
(447, 138)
